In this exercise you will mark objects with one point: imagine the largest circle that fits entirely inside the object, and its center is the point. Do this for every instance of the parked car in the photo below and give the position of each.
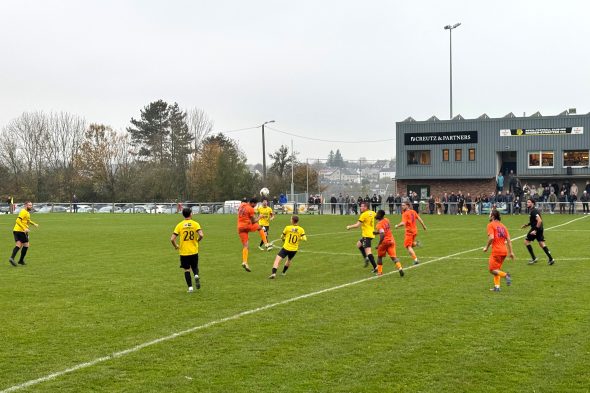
(136, 209)
(110, 209)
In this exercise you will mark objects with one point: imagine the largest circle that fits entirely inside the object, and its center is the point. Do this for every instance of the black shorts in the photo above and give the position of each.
(22, 237)
(538, 236)
(286, 253)
(366, 242)
(189, 262)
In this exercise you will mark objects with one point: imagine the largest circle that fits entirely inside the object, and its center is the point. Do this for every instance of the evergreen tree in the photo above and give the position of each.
(151, 133)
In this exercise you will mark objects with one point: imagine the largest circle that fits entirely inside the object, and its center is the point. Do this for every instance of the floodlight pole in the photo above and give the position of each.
(264, 154)
(450, 29)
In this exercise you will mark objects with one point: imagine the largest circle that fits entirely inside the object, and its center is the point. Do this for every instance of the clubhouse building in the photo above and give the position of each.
(437, 156)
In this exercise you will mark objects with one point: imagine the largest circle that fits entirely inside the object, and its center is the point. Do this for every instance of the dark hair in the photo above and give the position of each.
(496, 215)
(186, 212)
(532, 201)
(380, 214)
(254, 200)
(295, 218)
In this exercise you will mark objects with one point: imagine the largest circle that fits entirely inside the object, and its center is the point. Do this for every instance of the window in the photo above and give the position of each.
(541, 159)
(471, 154)
(419, 157)
(445, 154)
(458, 154)
(575, 158)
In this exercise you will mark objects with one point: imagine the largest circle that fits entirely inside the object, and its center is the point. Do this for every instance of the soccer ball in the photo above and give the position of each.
(264, 192)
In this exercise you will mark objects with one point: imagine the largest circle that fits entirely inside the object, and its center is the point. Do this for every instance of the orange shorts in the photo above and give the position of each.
(495, 262)
(244, 230)
(409, 240)
(386, 248)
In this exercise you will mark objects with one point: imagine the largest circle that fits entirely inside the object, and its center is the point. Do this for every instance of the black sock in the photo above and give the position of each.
(372, 260)
(23, 252)
(546, 249)
(530, 248)
(274, 270)
(188, 278)
(14, 251)
(261, 244)
(362, 249)
(285, 268)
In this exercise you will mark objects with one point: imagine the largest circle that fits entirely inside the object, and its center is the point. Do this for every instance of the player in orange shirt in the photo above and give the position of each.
(499, 239)
(248, 222)
(409, 218)
(386, 243)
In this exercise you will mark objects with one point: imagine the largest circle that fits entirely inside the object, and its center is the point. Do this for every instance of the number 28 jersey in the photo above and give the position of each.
(293, 234)
(187, 232)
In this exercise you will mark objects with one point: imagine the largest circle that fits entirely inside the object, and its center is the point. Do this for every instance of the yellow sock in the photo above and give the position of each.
(263, 236)
(379, 269)
(398, 265)
(501, 274)
(244, 255)
(496, 281)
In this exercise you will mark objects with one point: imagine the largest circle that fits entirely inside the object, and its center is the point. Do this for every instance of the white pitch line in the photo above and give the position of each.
(139, 347)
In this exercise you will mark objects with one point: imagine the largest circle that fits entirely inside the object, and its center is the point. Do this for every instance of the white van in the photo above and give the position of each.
(231, 207)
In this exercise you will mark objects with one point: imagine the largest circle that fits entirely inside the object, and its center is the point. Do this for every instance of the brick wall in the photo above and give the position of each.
(439, 187)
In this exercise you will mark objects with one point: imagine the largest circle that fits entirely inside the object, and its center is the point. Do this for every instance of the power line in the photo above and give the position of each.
(238, 130)
(329, 140)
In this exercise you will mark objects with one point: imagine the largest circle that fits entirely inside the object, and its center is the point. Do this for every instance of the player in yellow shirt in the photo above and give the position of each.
(265, 216)
(21, 233)
(190, 234)
(292, 234)
(367, 223)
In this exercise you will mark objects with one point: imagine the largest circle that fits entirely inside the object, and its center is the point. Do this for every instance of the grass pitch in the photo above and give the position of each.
(96, 285)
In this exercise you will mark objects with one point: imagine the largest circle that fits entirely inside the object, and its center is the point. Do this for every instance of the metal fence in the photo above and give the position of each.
(345, 208)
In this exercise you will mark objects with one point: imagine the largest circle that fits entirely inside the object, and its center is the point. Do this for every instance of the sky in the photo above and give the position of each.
(340, 71)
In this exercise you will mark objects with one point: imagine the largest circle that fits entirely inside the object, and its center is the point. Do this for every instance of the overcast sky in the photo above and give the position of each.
(336, 70)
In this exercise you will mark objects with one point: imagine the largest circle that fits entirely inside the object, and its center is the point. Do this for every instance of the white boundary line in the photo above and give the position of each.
(139, 347)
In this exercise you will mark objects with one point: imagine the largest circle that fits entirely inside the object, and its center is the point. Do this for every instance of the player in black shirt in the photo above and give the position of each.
(535, 233)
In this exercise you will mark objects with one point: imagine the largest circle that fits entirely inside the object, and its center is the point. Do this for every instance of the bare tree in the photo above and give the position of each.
(199, 125)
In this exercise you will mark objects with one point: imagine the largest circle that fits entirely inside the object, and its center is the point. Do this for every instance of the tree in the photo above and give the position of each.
(338, 161)
(331, 158)
(102, 157)
(219, 171)
(151, 133)
(199, 126)
(282, 160)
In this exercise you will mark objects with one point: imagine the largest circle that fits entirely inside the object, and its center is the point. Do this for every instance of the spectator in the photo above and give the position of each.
(318, 203)
(379, 201)
(283, 199)
(469, 203)
(453, 203)
(75, 203)
(391, 202)
(585, 198)
(587, 189)
(511, 180)
(552, 201)
(333, 203)
(574, 189)
(445, 202)
(572, 202)
(562, 199)
(275, 201)
(460, 203)
(517, 205)
(508, 199)
(431, 203)
(499, 182)
(398, 203)
(374, 202)
(341, 203)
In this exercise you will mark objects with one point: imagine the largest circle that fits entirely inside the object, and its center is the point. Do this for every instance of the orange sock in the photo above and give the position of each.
(496, 281)
(501, 274)
(398, 265)
(262, 235)
(244, 255)
(379, 269)
(413, 255)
